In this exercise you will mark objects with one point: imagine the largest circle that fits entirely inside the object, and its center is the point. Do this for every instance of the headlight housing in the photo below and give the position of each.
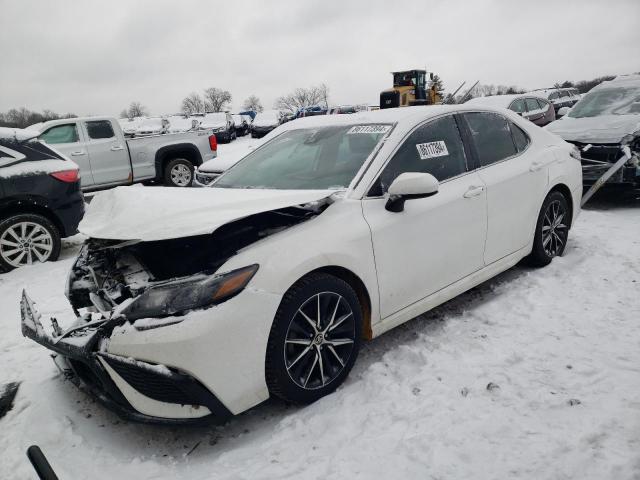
(186, 294)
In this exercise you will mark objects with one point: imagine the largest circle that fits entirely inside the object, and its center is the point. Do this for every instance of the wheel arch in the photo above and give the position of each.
(566, 192)
(30, 206)
(181, 150)
(360, 288)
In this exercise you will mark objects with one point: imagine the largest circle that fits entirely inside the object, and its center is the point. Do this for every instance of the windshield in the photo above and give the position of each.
(609, 101)
(307, 159)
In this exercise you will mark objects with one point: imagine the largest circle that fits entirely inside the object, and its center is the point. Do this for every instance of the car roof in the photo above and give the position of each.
(620, 81)
(502, 100)
(18, 134)
(41, 126)
(405, 117)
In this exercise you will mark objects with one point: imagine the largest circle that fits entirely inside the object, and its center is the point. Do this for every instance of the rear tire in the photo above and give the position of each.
(27, 238)
(178, 173)
(309, 358)
(552, 230)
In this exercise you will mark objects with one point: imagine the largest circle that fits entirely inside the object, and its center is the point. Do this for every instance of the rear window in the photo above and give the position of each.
(60, 134)
(98, 129)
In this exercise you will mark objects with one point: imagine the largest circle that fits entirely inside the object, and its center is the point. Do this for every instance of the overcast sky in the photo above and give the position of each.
(95, 57)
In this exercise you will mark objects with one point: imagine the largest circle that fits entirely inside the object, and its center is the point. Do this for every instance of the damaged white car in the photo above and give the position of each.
(605, 126)
(199, 304)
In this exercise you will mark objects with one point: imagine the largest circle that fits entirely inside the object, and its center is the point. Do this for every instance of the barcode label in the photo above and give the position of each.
(369, 129)
(432, 149)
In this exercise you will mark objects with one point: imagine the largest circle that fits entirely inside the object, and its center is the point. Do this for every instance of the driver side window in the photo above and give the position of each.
(60, 134)
(435, 147)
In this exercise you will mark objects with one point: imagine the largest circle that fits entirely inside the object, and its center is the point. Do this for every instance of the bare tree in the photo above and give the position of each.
(136, 109)
(23, 117)
(304, 97)
(253, 103)
(216, 99)
(193, 103)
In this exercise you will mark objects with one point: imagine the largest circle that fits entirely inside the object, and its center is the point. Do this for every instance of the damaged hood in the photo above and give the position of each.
(600, 129)
(149, 214)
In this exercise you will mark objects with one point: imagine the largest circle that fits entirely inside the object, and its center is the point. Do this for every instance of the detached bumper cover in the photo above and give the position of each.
(77, 354)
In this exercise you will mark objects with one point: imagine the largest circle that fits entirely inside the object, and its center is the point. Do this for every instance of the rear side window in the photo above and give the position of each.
(60, 134)
(543, 105)
(491, 137)
(98, 129)
(434, 148)
(532, 104)
(517, 106)
(519, 137)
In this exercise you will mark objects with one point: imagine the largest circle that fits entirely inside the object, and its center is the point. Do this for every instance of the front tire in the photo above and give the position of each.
(26, 239)
(178, 173)
(314, 339)
(552, 230)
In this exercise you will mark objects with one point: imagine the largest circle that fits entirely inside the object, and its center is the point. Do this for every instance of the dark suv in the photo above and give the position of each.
(40, 199)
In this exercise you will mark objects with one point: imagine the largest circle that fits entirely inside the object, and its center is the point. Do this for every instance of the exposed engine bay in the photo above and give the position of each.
(134, 279)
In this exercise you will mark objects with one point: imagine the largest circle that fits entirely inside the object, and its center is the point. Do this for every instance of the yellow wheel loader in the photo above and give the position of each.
(409, 88)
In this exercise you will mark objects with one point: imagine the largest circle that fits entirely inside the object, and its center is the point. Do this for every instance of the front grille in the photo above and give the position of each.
(159, 386)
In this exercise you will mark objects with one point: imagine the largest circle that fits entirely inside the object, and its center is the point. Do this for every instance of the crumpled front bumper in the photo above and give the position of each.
(81, 356)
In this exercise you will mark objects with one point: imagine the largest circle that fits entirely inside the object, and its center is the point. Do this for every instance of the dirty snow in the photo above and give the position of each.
(535, 374)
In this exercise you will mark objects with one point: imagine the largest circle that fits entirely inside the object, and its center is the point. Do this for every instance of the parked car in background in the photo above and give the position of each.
(106, 158)
(222, 125)
(310, 111)
(179, 124)
(532, 107)
(559, 97)
(241, 124)
(40, 199)
(340, 109)
(336, 229)
(605, 126)
(264, 122)
(152, 126)
(210, 170)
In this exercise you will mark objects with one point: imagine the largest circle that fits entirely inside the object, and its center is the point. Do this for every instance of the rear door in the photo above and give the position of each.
(435, 241)
(68, 138)
(107, 152)
(515, 173)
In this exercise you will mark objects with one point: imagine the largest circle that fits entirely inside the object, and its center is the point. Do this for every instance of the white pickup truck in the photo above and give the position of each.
(106, 158)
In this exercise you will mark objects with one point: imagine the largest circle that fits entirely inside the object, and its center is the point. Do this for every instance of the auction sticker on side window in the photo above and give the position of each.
(432, 149)
(369, 129)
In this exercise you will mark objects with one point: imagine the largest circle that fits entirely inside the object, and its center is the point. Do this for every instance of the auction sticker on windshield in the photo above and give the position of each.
(432, 149)
(369, 129)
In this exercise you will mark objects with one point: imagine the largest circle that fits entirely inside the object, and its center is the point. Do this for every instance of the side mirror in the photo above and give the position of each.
(563, 111)
(410, 185)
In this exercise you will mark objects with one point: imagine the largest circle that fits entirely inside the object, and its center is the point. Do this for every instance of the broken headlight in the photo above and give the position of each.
(186, 294)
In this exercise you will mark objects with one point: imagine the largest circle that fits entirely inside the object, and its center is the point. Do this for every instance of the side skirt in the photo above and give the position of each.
(449, 292)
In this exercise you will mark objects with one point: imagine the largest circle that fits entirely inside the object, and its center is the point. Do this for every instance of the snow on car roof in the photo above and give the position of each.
(19, 134)
(494, 100)
(620, 81)
(408, 116)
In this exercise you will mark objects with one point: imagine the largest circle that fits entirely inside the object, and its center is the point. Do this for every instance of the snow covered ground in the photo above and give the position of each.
(559, 346)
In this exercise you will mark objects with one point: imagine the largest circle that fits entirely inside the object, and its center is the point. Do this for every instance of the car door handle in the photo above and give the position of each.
(473, 191)
(117, 148)
(535, 166)
(75, 154)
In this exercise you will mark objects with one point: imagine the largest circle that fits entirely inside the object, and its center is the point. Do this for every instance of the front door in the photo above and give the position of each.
(107, 152)
(68, 139)
(437, 240)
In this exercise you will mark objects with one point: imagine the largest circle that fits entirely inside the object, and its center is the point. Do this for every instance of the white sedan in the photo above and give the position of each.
(203, 303)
